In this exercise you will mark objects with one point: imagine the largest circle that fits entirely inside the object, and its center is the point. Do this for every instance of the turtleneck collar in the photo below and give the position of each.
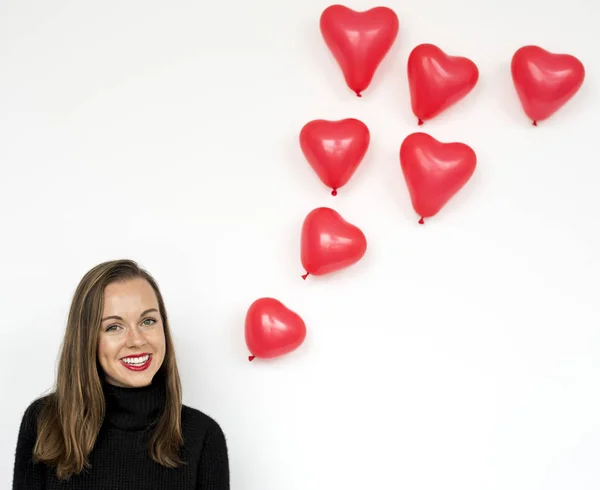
(134, 408)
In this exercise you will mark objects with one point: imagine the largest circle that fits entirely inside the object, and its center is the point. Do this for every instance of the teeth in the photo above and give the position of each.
(136, 360)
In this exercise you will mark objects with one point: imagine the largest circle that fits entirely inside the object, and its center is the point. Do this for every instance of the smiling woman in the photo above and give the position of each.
(116, 418)
(131, 344)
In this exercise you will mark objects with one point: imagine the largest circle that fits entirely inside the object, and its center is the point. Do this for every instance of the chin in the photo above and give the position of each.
(133, 380)
(139, 382)
(138, 379)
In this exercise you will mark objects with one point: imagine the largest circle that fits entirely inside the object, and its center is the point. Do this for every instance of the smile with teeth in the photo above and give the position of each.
(137, 363)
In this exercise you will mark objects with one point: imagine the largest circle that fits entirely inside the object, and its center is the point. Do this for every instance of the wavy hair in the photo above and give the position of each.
(69, 423)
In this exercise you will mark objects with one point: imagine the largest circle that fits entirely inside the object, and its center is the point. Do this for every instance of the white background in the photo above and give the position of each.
(463, 354)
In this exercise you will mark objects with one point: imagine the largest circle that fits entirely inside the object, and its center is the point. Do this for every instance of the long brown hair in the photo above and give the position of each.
(69, 423)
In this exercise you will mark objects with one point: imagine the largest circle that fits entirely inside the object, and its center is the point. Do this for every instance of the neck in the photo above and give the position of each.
(134, 408)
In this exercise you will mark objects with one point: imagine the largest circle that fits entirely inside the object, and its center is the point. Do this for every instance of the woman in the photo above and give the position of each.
(116, 419)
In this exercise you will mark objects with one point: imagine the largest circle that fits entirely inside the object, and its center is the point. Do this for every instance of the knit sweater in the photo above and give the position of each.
(120, 459)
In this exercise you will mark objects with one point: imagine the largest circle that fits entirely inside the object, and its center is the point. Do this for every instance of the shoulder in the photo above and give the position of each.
(32, 412)
(193, 417)
(208, 443)
(200, 426)
(28, 430)
(27, 472)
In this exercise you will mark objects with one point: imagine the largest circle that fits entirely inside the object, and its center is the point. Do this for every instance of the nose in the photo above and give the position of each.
(135, 338)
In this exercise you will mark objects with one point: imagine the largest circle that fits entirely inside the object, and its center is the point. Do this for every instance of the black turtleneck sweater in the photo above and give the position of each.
(120, 458)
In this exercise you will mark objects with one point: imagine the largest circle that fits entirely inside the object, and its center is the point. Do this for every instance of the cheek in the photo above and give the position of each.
(107, 348)
(157, 340)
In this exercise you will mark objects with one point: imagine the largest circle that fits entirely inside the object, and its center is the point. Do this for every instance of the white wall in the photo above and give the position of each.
(462, 354)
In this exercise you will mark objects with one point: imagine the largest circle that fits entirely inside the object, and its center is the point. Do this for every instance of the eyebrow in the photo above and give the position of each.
(117, 317)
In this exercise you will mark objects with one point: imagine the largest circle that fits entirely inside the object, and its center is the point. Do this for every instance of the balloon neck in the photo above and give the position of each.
(251, 358)
(304, 276)
(535, 123)
(421, 221)
(420, 123)
(358, 94)
(334, 192)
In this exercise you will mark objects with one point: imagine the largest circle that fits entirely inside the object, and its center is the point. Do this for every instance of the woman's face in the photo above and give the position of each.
(131, 343)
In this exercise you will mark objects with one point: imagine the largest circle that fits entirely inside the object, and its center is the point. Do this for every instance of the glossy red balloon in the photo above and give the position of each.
(272, 329)
(434, 171)
(545, 81)
(359, 41)
(334, 149)
(437, 80)
(329, 243)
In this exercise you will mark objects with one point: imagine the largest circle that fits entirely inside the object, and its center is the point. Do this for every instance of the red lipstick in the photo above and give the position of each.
(137, 367)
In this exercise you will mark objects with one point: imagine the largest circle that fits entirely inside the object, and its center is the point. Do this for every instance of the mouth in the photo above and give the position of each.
(139, 362)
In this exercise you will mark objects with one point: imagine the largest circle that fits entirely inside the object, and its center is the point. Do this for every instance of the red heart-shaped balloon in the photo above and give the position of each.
(334, 149)
(359, 41)
(545, 81)
(434, 171)
(437, 80)
(329, 243)
(272, 330)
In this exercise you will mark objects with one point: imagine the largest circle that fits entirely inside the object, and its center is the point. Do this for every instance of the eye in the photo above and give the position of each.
(149, 320)
(112, 328)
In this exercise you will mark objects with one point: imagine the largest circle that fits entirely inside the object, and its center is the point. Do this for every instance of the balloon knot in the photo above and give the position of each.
(535, 123)
(420, 122)
(358, 94)
(251, 358)
(304, 276)
(421, 221)
(334, 192)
